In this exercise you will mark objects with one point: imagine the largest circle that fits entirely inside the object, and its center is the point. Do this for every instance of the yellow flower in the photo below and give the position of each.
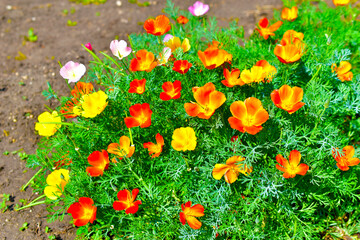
(56, 181)
(184, 139)
(91, 104)
(47, 128)
(174, 43)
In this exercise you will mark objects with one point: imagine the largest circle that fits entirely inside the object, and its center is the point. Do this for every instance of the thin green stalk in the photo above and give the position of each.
(64, 123)
(31, 179)
(30, 205)
(111, 59)
(48, 108)
(92, 54)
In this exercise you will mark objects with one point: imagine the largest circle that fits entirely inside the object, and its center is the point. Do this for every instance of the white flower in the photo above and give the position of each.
(73, 71)
(120, 48)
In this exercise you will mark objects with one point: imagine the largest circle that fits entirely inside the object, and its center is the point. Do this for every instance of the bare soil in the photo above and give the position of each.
(21, 82)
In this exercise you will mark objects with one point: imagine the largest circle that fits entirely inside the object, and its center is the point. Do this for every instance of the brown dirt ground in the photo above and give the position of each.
(98, 24)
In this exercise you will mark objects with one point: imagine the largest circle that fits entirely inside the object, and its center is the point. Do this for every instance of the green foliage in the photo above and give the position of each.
(24, 226)
(5, 198)
(262, 205)
(71, 23)
(31, 37)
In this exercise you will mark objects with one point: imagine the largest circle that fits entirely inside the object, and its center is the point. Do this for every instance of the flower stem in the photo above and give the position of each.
(30, 205)
(31, 179)
(64, 123)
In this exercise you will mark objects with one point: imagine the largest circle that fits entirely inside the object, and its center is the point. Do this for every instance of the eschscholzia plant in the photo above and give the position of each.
(291, 47)
(171, 90)
(184, 139)
(255, 75)
(158, 26)
(343, 71)
(168, 37)
(189, 214)
(231, 169)
(47, 125)
(269, 70)
(144, 61)
(123, 148)
(120, 49)
(291, 167)
(175, 43)
(232, 78)
(213, 56)
(73, 71)
(288, 98)
(345, 159)
(126, 201)
(83, 211)
(341, 2)
(155, 149)
(182, 20)
(182, 66)
(265, 30)
(91, 105)
(289, 14)
(89, 46)
(248, 116)
(56, 182)
(140, 116)
(164, 56)
(199, 9)
(99, 162)
(137, 86)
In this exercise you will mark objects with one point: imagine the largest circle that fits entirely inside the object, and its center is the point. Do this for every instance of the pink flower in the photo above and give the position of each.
(199, 8)
(164, 56)
(88, 46)
(73, 71)
(120, 48)
(167, 37)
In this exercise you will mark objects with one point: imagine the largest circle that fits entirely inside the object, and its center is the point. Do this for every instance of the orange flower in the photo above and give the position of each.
(122, 149)
(144, 61)
(213, 56)
(265, 30)
(141, 116)
(291, 47)
(248, 115)
(208, 100)
(293, 37)
(269, 70)
(343, 71)
(289, 14)
(232, 79)
(345, 159)
(291, 167)
(99, 162)
(127, 201)
(288, 98)
(137, 86)
(158, 26)
(341, 2)
(155, 149)
(184, 139)
(83, 211)
(255, 74)
(189, 213)
(182, 66)
(231, 169)
(182, 20)
(171, 90)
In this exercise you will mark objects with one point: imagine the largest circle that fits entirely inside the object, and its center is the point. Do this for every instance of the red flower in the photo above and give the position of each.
(144, 61)
(182, 20)
(158, 26)
(232, 78)
(137, 86)
(141, 116)
(189, 213)
(155, 149)
(171, 90)
(99, 161)
(182, 66)
(83, 211)
(126, 201)
(265, 30)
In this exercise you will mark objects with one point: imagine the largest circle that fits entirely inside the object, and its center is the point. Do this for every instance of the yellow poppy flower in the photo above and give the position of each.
(47, 128)
(56, 182)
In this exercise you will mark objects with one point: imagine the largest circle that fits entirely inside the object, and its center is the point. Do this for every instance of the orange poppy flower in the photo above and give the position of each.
(265, 30)
(184, 139)
(248, 116)
(213, 56)
(122, 149)
(189, 213)
(171, 90)
(345, 159)
(291, 167)
(293, 37)
(127, 201)
(288, 98)
(141, 116)
(155, 149)
(232, 78)
(83, 211)
(99, 162)
(269, 70)
(208, 100)
(158, 26)
(255, 74)
(343, 71)
(182, 20)
(175, 43)
(144, 61)
(289, 53)
(341, 2)
(231, 169)
(289, 14)
(137, 86)
(182, 66)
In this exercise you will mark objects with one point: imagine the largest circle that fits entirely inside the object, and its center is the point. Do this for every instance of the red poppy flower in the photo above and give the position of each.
(144, 61)
(232, 78)
(158, 26)
(155, 149)
(182, 20)
(171, 90)
(137, 86)
(141, 116)
(127, 201)
(99, 162)
(346, 158)
(83, 211)
(291, 167)
(265, 30)
(189, 213)
(182, 66)
(288, 98)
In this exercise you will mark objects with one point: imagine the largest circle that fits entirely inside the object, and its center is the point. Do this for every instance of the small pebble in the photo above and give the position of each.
(8, 7)
(118, 3)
